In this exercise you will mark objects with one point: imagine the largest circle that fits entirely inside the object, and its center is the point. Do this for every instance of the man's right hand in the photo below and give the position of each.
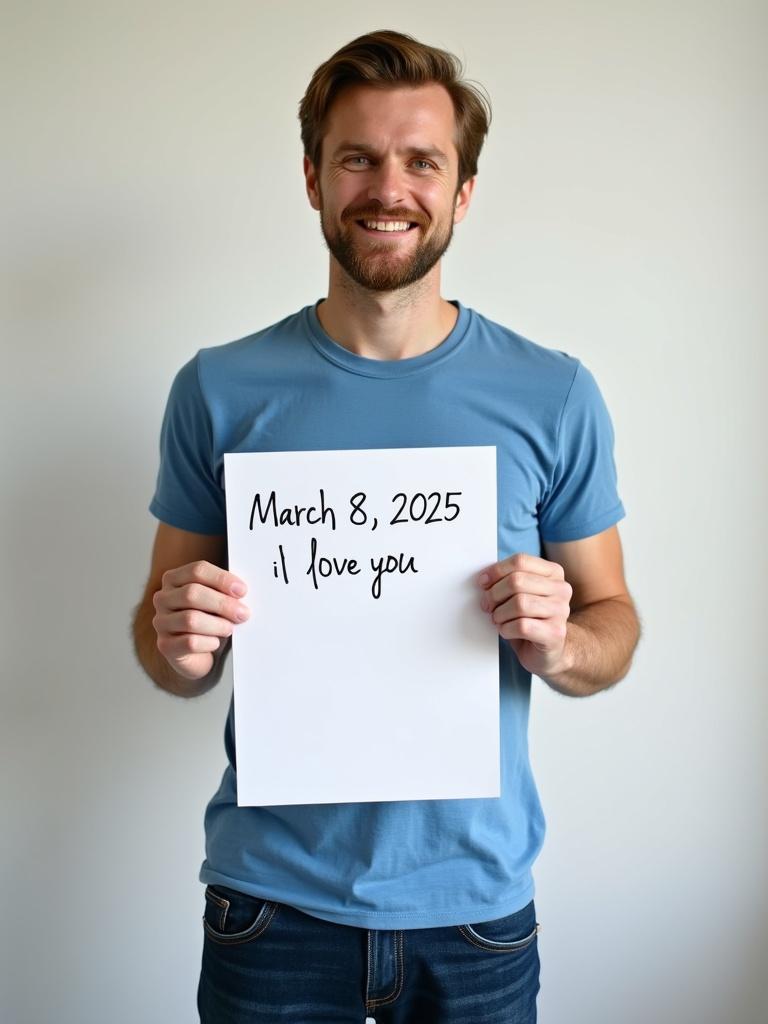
(196, 608)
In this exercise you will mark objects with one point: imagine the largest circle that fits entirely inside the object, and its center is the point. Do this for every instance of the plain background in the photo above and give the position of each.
(153, 205)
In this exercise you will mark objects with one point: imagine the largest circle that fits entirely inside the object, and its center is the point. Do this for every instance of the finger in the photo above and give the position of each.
(208, 574)
(520, 583)
(190, 621)
(174, 647)
(544, 633)
(203, 598)
(520, 562)
(530, 606)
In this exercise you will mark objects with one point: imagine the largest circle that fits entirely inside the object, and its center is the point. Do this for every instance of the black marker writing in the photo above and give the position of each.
(424, 507)
(326, 567)
(394, 563)
(356, 501)
(291, 515)
(419, 507)
(282, 560)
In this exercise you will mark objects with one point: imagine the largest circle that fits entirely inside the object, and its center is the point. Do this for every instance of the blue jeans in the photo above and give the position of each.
(265, 961)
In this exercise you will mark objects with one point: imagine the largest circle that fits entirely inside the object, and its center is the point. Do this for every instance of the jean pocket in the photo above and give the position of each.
(232, 917)
(511, 934)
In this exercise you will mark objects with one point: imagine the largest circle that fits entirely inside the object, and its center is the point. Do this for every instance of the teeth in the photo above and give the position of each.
(387, 225)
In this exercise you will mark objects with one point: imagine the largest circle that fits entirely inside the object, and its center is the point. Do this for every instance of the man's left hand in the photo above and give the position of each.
(528, 599)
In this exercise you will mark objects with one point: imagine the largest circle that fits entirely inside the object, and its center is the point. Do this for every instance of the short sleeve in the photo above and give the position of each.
(188, 494)
(582, 497)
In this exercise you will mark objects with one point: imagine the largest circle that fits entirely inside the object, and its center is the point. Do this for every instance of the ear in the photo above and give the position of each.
(463, 197)
(310, 180)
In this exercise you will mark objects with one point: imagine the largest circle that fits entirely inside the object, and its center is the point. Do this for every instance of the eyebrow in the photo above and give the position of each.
(418, 151)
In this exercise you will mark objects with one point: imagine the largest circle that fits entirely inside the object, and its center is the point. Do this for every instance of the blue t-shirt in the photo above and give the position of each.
(290, 387)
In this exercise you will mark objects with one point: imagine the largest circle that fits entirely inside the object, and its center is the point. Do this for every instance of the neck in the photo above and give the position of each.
(386, 325)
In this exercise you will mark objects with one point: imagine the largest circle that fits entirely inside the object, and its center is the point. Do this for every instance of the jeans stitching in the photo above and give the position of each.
(258, 928)
(368, 973)
(491, 946)
(399, 976)
(375, 963)
(223, 907)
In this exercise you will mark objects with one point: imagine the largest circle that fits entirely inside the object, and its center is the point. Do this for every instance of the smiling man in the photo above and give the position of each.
(414, 911)
(377, 241)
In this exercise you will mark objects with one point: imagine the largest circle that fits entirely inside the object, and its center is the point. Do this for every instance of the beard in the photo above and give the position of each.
(379, 267)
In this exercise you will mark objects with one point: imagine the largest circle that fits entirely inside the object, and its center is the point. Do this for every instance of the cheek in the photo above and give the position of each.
(340, 191)
(438, 198)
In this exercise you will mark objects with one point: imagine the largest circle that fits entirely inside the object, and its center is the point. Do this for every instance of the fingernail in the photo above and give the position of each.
(483, 578)
(238, 589)
(242, 614)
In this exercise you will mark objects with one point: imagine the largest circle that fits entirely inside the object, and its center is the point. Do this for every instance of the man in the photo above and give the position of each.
(411, 911)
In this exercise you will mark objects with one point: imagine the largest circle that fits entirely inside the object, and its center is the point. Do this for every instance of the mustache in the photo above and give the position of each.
(353, 213)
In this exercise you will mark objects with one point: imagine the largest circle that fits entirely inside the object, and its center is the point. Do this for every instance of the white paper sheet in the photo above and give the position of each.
(353, 684)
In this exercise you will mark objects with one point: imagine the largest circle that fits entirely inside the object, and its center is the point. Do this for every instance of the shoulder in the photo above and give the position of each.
(263, 347)
(517, 345)
(537, 365)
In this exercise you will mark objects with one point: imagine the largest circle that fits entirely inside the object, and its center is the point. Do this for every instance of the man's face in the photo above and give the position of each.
(387, 189)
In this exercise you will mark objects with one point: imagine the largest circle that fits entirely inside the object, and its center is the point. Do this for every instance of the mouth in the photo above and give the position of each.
(386, 227)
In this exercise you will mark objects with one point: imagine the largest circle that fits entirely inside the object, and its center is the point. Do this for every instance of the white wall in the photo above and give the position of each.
(154, 205)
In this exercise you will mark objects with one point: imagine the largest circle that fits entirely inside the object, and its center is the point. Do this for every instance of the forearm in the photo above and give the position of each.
(156, 666)
(600, 641)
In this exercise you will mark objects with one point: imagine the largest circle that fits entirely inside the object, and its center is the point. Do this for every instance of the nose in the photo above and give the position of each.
(386, 184)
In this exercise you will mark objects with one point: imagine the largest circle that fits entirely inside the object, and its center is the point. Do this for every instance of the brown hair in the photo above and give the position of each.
(387, 59)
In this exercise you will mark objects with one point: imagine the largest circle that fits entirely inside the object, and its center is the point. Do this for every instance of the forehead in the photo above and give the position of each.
(418, 115)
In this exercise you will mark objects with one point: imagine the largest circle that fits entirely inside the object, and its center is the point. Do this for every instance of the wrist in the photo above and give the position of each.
(563, 668)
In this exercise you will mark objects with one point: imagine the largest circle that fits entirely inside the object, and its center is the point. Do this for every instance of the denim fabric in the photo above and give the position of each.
(265, 961)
